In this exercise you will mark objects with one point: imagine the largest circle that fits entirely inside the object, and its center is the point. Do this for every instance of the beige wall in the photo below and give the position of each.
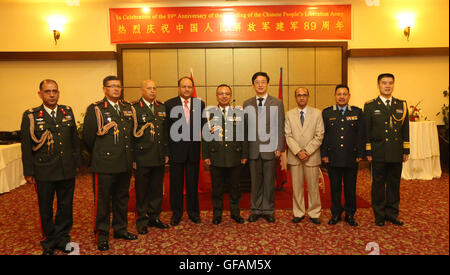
(87, 29)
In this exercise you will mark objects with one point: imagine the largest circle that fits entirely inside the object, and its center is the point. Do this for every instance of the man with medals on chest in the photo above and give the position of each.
(343, 147)
(387, 130)
(50, 155)
(225, 151)
(150, 155)
(107, 132)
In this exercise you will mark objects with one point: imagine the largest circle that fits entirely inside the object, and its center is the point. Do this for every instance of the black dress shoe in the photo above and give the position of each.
(195, 219)
(395, 221)
(217, 220)
(126, 236)
(63, 248)
(47, 251)
(157, 223)
(175, 221)
(315, 220)
(379, 223)
(350, 220)
(237, 219)
(103, 246)
(334, 220)
(254, 217)
(269, 218)
(298, 219)
(143, 231)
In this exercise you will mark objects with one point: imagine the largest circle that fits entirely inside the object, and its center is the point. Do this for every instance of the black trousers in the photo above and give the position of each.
(111, 190)
(347, 176)
(386, 189)
(219, 177)
(178, 172)
(149, 194)
(55, 231)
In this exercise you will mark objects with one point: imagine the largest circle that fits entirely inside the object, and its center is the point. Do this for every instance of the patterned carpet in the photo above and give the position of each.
(424, 209)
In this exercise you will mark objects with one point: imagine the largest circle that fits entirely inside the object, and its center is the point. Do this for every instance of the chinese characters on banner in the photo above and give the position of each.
(242, 23)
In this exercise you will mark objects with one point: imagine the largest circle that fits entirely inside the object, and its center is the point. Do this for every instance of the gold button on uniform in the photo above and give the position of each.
(342, 145)
(387, 139)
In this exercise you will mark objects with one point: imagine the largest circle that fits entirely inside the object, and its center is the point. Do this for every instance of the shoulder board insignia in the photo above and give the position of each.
(370, 101)
(31, 110)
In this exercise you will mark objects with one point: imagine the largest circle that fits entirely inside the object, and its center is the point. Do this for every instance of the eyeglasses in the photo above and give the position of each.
(114, 86)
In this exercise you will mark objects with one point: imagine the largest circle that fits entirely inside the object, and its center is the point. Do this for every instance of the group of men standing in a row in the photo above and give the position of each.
(146, 132)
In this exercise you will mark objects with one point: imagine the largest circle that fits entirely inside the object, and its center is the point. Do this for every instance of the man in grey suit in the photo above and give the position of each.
(266, 142)
(304, 135)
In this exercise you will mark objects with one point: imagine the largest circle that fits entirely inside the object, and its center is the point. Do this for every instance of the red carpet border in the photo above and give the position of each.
(424, 208)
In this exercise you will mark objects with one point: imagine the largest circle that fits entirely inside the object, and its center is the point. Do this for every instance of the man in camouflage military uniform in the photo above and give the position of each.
(50, 155)
(225, 152)
(387, 124)
(107, 132)
(150, 155)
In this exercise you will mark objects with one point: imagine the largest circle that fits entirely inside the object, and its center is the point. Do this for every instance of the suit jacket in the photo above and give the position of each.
(344, 138)
(150, 149)
(253, 126)
(309, 137)
(184, 150)
(387, 130)
(110, 153)
(226, 152)
(55, 162)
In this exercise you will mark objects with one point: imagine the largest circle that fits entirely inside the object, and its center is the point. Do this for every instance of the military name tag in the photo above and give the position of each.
(40, 122)
(377, 112)
(352, 118)
(332, 118)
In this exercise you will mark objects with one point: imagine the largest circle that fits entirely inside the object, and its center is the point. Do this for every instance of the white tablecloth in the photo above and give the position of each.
(424, 159)
(11, 170)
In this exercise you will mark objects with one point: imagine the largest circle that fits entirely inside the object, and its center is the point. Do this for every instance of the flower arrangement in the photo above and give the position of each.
(415, 113)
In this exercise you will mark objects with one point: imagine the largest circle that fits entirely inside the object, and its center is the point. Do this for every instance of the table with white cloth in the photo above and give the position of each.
(424, 158)
(11, 169)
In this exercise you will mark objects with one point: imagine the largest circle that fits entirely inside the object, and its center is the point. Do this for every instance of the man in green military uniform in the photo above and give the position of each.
(150, 155)
(50, 155)
(107, 132)
(387, 124)
(225, 153)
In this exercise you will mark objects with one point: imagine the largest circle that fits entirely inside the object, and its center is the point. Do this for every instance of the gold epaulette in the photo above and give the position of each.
(370, 101)
(406, 145)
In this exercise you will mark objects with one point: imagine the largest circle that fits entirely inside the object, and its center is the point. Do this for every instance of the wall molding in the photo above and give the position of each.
(393, 52)
(53, 56)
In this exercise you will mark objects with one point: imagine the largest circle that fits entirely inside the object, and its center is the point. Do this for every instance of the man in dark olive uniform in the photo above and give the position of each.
(387, 124)
(107, 132)
(150, 155)
(50, 155)
(226, 153)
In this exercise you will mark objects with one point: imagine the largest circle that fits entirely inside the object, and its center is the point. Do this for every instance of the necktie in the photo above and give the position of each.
(342, 111)
(302, 118)
(152, 108)
(260, 101)
(388, 104)
(186, 111)
(116, 106)
(53, 115)
(224, 114)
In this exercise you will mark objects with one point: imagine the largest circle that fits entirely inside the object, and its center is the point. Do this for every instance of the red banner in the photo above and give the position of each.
(242, 23)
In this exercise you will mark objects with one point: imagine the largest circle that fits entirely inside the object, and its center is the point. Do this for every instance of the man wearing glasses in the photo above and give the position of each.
(107, 132)
(265, 149)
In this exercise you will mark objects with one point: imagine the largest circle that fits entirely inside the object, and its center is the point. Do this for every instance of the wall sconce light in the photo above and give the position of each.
(56, 24)
(406, 22)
